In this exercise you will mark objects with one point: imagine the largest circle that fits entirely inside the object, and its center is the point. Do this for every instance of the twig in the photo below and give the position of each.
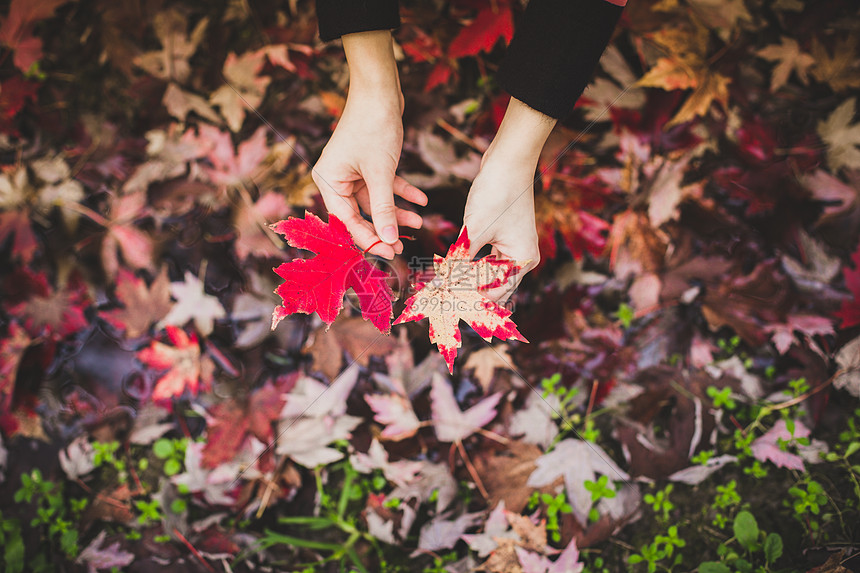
(472, 471)
(193, 550)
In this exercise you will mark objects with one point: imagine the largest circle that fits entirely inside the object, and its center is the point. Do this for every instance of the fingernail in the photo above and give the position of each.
(389, 234)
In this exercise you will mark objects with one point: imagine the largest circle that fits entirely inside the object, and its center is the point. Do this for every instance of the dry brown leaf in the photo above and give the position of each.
(486, 360)
(505, 473)
(842, 71)
(353, 334)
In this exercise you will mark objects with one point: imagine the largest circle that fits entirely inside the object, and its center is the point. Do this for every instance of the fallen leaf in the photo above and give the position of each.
(192, 303)
(142, 305)
(124, 237)
(235, 169)
(486, 360)
(396, 413)
(841, 137)
(441, 533)
(244, 88)
(848, 359)
(576, 461)
(97, 557)
(351, 334)
(492, 22)
(318, 284)
(171, 62)
(306, 440)
(454, 294)
(840, 71)
(536, 422)
(452, 424)
(810, 325)
(790, 59)
(504, 473)
(234, 420)
(849, 312)
(179, 103)
(12, 347)
(252, 225)
(496, 525)
(311, 397)
(698, 473)
(766, 447)
(567, 562)
(78, 458)
(184, 366)
(432, 478)
(399, 473)
(16, 32)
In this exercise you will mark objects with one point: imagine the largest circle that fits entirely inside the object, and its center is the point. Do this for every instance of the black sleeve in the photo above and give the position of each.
(339, 17)
(555, 50)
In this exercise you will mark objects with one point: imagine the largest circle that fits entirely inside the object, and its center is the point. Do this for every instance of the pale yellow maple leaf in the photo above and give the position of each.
(842, 138)
(790, 59)
(243, 88)
(171, 62)
(842, 71)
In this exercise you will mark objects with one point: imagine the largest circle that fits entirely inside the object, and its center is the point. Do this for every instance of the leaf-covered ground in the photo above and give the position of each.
(688, 397)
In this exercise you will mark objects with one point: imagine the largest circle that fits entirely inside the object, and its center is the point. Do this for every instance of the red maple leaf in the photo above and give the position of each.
(16, 224)
(492, 22)
(45, 311)
(849, 312)
(13, 97)
(17, 29)
(318, 284)
(184, 366)
(234, 420)
(454, 294)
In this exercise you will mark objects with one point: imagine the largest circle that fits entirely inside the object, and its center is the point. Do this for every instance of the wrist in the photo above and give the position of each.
(372, 67)
(521, 136)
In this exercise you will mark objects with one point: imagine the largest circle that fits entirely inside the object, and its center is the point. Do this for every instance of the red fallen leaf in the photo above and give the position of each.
(12, 347)
(249, 219)
(230, 169)
(185, 368)
(233, 421)
(849, 312)
(14, 94)
(55, 314)
(318, 284)
(123, 237)
(493, 22)
(17, 223)
(16, 30)
(454, 294)
(143, 305)
(438, 76)
(568, 212)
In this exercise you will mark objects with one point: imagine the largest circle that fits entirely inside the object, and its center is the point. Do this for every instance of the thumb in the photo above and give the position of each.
(380, 188)
(477, 239)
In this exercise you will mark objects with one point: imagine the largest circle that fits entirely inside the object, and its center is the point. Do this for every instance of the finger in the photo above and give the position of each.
(410, 192)
(363, 233)
(380, 187)
(405, 217)
(502, 293)
(477, 241)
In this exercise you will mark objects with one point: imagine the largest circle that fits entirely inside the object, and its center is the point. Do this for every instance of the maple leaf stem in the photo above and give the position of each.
(193, 550)
(471, 469)
(409, 237)
(86, 211)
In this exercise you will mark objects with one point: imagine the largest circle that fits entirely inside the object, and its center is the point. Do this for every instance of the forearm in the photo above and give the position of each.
(372, 67)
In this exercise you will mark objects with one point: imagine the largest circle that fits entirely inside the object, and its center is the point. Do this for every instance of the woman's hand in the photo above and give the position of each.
(500, 208)
(356, 168)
